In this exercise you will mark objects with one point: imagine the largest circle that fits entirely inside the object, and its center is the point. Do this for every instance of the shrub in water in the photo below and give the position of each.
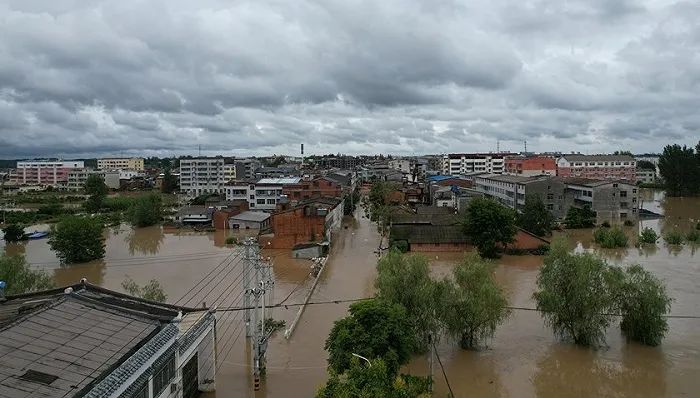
(693, 236)
(674, 237)
(605, 224)
(628, 223)
(610, 237)
(648, 235)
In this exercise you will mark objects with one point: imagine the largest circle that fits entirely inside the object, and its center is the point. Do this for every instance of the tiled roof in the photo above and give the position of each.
(423, 233)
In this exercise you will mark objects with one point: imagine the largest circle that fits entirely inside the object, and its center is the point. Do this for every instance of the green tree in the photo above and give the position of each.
(373, 380)
(97, 189)
(645, 165)
(77, 239)
(13, 233)
(680, 169)
(535, 217)
(610, 237)
(580, 218)
(146, 210)
(648, 236)
(476, 304)
(643, 302)
(20, 278)
(574, 294)
(487, 223)
(169, 183)
(374, 329)
(150, 291)
(405, 280)
(377, 206)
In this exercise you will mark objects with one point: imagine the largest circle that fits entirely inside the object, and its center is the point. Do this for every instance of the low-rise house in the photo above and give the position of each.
(194, 215)
(86, 341)
(258, 220)
(309, 221)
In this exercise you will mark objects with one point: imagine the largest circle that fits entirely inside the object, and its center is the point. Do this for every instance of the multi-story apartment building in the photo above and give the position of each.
(465, 163)
(603, 167)
(530, 166)
(44, 172)
(245, 168)
(262, 195)
(646, 176)
(320, 187)
(120, 164)
(511, 191)
(202, 176)
(229, 172)
(611, 200)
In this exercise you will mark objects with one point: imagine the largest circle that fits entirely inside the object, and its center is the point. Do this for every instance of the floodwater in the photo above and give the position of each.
(524, 359)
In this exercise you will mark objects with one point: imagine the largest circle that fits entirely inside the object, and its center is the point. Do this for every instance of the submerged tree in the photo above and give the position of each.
(489, 224)
(475, 305)
(13, 233)
(77, 239)
(405, 280)
(374, 329)
(146, 210)
(574, 294)
(20, 278)
(643, 302)
(97, 189)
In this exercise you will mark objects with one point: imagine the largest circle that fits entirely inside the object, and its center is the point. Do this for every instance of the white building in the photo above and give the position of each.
(465, 163)
(229, 172)
(262, 195)
(202, 176)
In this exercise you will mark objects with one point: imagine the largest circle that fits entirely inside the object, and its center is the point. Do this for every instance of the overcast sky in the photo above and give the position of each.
(161, 77)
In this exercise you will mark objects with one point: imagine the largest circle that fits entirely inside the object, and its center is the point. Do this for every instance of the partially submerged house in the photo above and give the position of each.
(87, 341)
(309, 221)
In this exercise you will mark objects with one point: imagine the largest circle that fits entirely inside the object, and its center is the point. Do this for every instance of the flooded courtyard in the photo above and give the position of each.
(524, 359)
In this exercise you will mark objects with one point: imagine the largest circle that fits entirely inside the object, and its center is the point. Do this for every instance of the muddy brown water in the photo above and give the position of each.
(524, 359)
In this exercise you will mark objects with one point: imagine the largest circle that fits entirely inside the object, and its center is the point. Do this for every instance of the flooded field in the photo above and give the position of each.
(524, 359)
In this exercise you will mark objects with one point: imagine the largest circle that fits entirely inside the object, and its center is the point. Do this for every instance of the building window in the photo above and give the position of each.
(142, 392)
(162, 377)
(623, 194)
(260, 201)
(550, 196)
(271, 201)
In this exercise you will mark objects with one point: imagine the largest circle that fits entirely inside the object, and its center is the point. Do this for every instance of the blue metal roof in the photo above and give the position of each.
(439, 178)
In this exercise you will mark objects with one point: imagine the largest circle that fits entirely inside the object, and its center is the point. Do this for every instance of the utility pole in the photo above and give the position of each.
(260, 289)
(430, 362)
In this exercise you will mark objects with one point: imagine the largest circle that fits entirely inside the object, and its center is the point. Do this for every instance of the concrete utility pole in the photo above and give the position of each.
(261, 291)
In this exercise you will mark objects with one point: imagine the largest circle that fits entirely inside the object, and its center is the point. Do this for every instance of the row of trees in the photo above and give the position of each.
(679, 167)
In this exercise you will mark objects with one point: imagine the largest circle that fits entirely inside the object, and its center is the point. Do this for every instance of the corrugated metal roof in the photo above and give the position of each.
(279, 181)
(255, 216)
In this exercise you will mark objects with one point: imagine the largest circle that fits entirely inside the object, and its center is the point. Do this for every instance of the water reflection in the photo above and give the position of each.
(93, 271)
(15, 249)
(145, 241)
(571, 371)
(647, 250)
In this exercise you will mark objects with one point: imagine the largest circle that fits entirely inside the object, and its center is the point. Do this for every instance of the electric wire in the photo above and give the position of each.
(238, 254)
(443, 371)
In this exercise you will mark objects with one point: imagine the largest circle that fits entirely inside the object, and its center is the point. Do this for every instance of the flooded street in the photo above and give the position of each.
(524, 359)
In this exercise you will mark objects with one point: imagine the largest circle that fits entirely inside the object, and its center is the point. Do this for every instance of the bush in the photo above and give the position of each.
(151, 291)
(13, 233)
(118, 203)
(580, 218)
(400, 245)
(53, 209)
(693, 236)
(648, 236)
(610, 237)
(605, 224)
(674, 237)
(628, 223)
(231, 240)
(643, 304)
(146, 210)
(20, 278)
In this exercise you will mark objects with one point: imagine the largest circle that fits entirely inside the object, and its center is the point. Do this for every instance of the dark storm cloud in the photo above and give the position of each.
(253, 77)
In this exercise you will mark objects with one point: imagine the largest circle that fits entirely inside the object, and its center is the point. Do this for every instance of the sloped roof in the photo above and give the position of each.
(423, 233)
(254, 216)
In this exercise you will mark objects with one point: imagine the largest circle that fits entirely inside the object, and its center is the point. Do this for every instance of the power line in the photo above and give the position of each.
(443, 371)
(206, 276)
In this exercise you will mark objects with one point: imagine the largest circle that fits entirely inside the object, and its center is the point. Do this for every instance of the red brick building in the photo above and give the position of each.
(311, 221)
(531, 166)
(598, 167)
(319, 187)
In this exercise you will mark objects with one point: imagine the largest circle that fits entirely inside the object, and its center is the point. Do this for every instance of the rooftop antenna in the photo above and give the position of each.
(200, 150)
(525, 146)
(498, 146)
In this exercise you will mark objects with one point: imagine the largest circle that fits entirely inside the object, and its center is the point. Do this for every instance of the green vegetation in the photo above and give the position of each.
(580, 218)
(146, 210)
(77, 239)
(680, 169)
(405, 280)
(643, 303)
(13, 233)
(20, 278)
(488, 224)
(476, 304)
(169, 183)
(350, 203)
(693, 236)
(373, 380)
(610, 237)
(377, 205)
(675, 237)
(628, 223)
(97, 189)
(648, 236)
(118, 203)
(579, 293)
(574, 295)
(272, 326)
(535, 217)
(400, 245)
(151, 291)
(231, 240)
(645, 165)
(374, 329)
